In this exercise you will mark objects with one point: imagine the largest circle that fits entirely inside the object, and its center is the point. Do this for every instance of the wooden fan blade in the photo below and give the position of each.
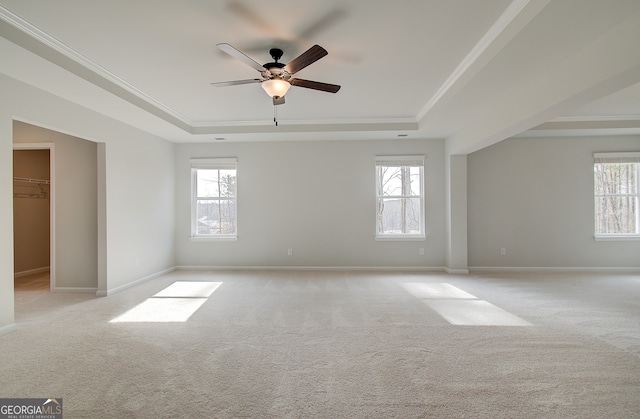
(278, 100)
(308, 57)
(235, 82)
(316, 85)
(236, 53)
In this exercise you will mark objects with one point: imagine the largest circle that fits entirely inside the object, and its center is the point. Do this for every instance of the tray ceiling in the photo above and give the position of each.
(424, 69)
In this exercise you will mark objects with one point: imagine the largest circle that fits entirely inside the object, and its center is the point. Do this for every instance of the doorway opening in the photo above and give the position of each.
(33, 217)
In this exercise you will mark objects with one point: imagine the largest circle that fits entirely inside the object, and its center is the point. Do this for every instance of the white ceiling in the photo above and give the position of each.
(471, 71)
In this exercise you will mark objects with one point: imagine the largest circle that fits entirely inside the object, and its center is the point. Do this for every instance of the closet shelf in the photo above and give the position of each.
(37, 191)
(29, 180)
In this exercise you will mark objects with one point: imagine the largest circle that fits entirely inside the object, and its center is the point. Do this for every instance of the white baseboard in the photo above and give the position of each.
(76, 290)
(549, 269)
(103, 293)
(313, 268)
(456, 271)
(31, 272)
(5, 330)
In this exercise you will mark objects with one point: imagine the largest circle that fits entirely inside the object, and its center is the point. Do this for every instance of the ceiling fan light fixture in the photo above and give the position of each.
(276, 87)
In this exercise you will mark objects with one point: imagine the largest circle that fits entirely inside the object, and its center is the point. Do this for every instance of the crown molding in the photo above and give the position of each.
(594, 118)
(48, 47)
(341, 122)
(306, 127)
(586, 126)
(604, 132)
(505, 19)
(29, 36)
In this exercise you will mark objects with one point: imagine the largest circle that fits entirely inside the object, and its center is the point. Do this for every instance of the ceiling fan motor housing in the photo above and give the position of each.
(276, 54)
(275, 68)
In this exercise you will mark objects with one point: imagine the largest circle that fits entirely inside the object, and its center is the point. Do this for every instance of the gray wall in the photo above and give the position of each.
(139, 201)
(317, 198)
(76, 204)
(534, 197)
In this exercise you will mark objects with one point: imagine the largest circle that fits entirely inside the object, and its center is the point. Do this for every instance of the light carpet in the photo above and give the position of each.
(287, 344)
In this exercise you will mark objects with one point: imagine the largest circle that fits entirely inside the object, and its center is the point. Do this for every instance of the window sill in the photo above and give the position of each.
(401, 238)
(213, 238)
(616, 238)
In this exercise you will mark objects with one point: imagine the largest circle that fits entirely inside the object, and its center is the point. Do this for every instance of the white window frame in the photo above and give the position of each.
(399, 161)
(618, 158)
(228, 163)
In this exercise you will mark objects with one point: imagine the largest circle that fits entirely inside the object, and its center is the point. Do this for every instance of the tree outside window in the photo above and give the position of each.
(400, 200)
(616, 198)
(214, 209)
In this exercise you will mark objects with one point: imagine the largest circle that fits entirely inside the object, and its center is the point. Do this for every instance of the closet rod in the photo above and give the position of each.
(28, 180)
(34, 195)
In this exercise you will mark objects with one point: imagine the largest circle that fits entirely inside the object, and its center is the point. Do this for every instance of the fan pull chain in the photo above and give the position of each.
(275, 114)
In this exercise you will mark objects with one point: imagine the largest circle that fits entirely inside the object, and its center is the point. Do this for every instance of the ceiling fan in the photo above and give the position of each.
(276, 77)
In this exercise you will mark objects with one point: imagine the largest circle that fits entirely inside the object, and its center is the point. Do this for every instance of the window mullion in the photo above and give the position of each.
(400, 215)
(637, 197)
(617, 195)
(399, 196)
(214, 215)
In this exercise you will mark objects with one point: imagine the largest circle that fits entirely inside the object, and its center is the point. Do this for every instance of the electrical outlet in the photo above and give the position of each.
(421, 251)
(503, 251)
(289, 252)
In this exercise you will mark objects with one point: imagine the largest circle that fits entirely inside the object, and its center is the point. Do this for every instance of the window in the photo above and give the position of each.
(400, 197)
(214, 193)
(616, 193)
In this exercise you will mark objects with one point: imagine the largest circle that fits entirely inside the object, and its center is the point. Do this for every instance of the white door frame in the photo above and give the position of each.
(52, 204)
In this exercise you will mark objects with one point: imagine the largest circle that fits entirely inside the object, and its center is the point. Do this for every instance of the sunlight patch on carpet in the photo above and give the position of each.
(474, 313)
(460, 308)
(189, 289)
(161, 310)
(175, 303)
(437, 290)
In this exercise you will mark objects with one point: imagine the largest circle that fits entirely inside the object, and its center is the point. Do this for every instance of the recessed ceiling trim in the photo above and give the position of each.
(595, 118)
(578, 132)
(510, 13)
(297, 122)
(586, 126)
(589, 124)
(110, 81)
(285, 127)
(29, 36)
